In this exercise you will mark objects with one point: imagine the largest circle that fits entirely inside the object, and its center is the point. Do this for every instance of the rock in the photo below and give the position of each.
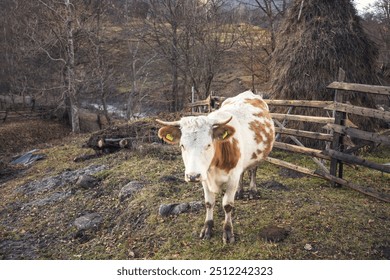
(166, 210)
(55, 197)
(88, 221)
(54, 182)
(308, 247)
(129, 190)
(87, 181)
(273, 233)
(196, 206)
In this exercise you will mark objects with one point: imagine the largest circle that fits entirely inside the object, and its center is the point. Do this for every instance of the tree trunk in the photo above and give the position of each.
(74, 107)
(175, 71)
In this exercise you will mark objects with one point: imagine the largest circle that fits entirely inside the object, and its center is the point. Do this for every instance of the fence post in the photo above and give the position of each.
(336, 166)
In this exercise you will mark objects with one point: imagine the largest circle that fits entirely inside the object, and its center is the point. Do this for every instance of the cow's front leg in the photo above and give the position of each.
(228, 205)
(209, 221)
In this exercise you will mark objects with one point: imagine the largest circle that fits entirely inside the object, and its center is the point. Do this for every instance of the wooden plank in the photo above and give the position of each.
(299, 103)
(356, 160)
(291, 166)
(360, 87)
(364, 190)
(361, 111)
(303, 133)
(357, 133)
(301, 150)
(321, 174)
(301, 118)
(299, 143)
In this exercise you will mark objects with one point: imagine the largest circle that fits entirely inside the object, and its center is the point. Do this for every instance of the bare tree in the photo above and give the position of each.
(273, 10)
(252, 52)
(215, 35)
(377, 24)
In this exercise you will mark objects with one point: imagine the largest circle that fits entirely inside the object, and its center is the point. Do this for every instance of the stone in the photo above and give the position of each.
(87, 181)
(52, 198)
(130, 189)
(58, 181)
(88, 221)
(166, 210)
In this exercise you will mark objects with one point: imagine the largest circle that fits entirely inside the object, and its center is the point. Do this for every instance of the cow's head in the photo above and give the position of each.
(198, 138)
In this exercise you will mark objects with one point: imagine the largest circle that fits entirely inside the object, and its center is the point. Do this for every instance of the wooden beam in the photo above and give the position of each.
(364, 190)
(301, 150)
(303, 133)
(357, 133)
(320, 174)
(361, 111)
(302, 118)
(299, 103)
(360, 87)
(356, 160)
(299, 143)
(291, 166)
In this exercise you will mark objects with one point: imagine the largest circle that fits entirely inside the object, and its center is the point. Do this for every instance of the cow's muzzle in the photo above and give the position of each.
(193, 178)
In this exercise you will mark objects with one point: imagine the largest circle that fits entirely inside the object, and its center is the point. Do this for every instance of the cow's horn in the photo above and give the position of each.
(175, 123)
(223, 122)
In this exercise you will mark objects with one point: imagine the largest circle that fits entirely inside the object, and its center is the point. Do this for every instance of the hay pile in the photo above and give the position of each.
(311, 48)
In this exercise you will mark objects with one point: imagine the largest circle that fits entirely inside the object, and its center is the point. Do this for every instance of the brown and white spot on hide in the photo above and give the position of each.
(254, 156)
(257, 127)
(263, 134)
(227, 154)
(258, 103)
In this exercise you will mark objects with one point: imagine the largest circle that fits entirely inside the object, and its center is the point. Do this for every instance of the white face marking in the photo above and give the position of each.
(197, 151)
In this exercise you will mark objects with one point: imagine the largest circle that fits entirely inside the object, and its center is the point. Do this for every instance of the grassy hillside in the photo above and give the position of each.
(38, 221)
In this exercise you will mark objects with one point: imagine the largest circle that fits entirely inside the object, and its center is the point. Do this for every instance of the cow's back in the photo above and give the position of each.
(254, 127)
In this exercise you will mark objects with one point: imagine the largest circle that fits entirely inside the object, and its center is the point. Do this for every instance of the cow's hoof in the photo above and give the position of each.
(207, 230)
(253, 194)
(239, 195)
(228, 237)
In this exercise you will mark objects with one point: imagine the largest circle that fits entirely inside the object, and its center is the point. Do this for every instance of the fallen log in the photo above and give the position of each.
(123, 136)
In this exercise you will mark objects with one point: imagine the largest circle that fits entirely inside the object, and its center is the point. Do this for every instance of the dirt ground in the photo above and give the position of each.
(21, 136)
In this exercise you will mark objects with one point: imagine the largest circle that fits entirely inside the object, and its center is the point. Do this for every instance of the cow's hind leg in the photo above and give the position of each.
(209, 221)
(240, 190)
(253, 193)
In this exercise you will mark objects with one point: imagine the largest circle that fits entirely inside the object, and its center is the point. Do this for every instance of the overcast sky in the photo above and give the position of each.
(361, 4)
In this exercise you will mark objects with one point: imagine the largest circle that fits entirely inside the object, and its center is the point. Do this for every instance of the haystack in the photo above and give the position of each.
(314, 40)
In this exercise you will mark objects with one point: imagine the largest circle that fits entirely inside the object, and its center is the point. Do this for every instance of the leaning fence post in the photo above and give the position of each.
(336, 166)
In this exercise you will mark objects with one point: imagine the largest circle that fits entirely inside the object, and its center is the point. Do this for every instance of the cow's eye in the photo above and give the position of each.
(208, 146)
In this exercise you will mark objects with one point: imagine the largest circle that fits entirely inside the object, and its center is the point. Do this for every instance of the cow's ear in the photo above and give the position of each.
(170, 134)
(223, 132)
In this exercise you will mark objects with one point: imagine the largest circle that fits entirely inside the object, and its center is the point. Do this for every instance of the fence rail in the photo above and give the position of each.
(338, 132)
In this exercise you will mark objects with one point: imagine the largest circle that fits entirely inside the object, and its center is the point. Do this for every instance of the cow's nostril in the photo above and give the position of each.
(193, 177)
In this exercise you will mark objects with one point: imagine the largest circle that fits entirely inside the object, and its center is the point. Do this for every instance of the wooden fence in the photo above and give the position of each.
(337, 130)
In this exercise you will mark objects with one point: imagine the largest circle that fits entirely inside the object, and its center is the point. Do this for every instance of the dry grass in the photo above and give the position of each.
(337, 223)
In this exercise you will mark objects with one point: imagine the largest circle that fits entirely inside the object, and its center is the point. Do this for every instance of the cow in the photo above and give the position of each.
(217, 148)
